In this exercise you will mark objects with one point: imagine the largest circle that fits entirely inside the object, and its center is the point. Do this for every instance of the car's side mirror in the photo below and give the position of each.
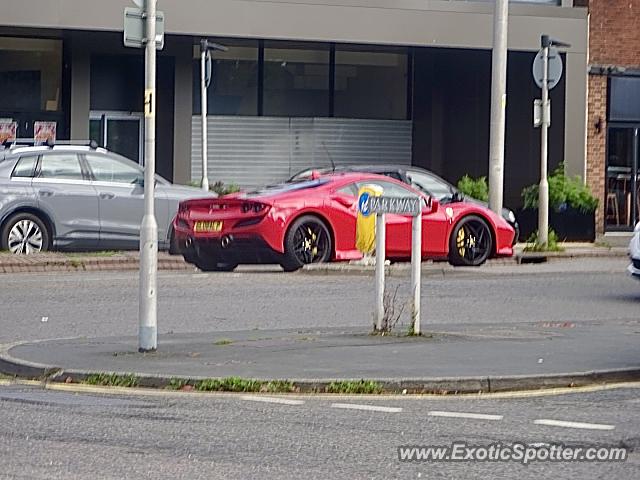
(435, 205)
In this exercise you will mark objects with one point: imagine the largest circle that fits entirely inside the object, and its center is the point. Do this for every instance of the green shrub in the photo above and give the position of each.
(220, 188)
(563, 191)
(474, 187)
(533, 243)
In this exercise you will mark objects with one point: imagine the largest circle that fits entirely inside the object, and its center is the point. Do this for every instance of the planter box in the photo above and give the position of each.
(571, 225)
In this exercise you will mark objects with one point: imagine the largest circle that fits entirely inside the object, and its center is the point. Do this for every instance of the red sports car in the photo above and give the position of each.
(314, 221)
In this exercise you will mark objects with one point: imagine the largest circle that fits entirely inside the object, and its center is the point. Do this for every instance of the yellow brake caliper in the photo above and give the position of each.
(460, 242)
(314, 250)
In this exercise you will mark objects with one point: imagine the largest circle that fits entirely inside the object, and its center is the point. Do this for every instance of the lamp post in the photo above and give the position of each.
(498, 105)
(148, 301)
(205, 79)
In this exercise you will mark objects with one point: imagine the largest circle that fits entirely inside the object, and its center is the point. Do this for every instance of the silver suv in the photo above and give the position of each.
(73, 197)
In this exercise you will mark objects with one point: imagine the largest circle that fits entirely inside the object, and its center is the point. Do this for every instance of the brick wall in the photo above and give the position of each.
(614, 32)
(614, 40)
(596, 142)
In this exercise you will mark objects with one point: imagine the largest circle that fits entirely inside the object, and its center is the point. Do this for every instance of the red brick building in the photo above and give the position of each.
(613, 118)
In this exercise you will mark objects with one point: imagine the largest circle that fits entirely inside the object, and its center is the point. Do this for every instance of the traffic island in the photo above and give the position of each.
(464, 359)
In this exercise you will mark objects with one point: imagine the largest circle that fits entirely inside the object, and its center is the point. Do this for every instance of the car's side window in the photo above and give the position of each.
(390, 189)
(350, 190)
(61, 166)
(110, 169)
(25, 167)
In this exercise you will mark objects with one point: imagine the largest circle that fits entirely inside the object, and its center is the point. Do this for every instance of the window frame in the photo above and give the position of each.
(117, 159)
(20, 160)
(38, 171)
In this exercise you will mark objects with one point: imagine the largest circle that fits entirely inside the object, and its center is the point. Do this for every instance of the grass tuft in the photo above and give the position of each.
(112, 380)
(355, 387)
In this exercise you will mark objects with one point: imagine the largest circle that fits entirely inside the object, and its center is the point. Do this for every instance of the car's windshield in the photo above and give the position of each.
(431, 185)
(287, 187)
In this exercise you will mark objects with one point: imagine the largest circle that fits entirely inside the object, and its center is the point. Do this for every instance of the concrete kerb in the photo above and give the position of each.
(441, 386)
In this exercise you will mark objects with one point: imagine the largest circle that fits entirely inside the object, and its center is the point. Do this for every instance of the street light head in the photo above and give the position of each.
(206, 45)
(547, 41)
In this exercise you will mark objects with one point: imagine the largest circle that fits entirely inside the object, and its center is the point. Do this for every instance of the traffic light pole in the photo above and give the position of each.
(147, 314)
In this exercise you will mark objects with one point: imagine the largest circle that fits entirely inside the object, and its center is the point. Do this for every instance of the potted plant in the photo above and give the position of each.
(572, 208)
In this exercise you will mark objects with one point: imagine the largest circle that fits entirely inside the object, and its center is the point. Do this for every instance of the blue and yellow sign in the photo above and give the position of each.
(366, 223)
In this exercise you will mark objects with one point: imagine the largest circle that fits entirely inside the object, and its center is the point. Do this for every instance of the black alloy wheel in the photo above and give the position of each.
(308, 241)
(471, 243)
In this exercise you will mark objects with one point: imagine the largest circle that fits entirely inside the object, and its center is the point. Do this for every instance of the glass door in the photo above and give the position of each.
(622, 182)
(119, 132)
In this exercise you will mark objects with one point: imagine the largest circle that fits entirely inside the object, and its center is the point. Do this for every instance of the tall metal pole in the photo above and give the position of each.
(543, 192)
(147, 314)
(203, 103)
(498, 104)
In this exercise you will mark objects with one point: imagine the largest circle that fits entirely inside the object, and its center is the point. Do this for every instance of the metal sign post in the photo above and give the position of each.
(547, 62)
(400, 206)
(381, 238)
(416, 271)
(148, 304)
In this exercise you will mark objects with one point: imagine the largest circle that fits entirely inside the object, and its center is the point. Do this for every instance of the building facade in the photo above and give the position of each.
(613, 125)
(303, 83)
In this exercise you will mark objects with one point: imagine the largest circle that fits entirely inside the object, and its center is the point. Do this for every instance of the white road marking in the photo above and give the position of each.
(370, 408)
(475, 416)
(282, 401)
(584, 426)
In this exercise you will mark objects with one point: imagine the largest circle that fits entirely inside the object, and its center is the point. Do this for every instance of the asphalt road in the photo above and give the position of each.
(65, 435)
(42, 306)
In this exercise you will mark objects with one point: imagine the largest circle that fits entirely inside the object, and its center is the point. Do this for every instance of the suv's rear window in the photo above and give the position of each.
(25, 167)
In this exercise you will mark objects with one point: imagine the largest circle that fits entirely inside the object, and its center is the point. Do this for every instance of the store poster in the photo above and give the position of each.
(44, 131)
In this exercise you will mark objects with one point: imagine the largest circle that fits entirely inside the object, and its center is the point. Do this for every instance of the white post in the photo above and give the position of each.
(147, 313)
(380, 259)
(203, 117)
(416, 261)
(498, 104)
(543, 191)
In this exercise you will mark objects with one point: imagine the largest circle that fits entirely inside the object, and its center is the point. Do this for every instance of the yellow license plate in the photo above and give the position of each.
(208, 226)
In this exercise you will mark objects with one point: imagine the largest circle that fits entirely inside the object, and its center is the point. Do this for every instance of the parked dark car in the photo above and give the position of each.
(426, 181)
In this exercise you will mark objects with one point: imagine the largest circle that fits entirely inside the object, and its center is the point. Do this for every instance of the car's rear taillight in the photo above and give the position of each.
(254, 207)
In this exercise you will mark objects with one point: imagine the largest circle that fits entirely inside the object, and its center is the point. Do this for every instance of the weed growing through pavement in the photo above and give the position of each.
(112, 380)
(237, 384)
(351, 386)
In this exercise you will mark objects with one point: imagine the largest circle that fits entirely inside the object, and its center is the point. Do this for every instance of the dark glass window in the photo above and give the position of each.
(296, 79)
(25, 167)
(30, 74)
(62, 166)
(234, 81)
(114, 170)
(371, 83)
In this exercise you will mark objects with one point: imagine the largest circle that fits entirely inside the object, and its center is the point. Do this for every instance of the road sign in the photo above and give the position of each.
(555, 68)
(397, 205)
(134, 28)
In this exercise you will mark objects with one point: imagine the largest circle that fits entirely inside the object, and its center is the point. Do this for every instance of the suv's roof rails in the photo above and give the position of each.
(31, 142)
